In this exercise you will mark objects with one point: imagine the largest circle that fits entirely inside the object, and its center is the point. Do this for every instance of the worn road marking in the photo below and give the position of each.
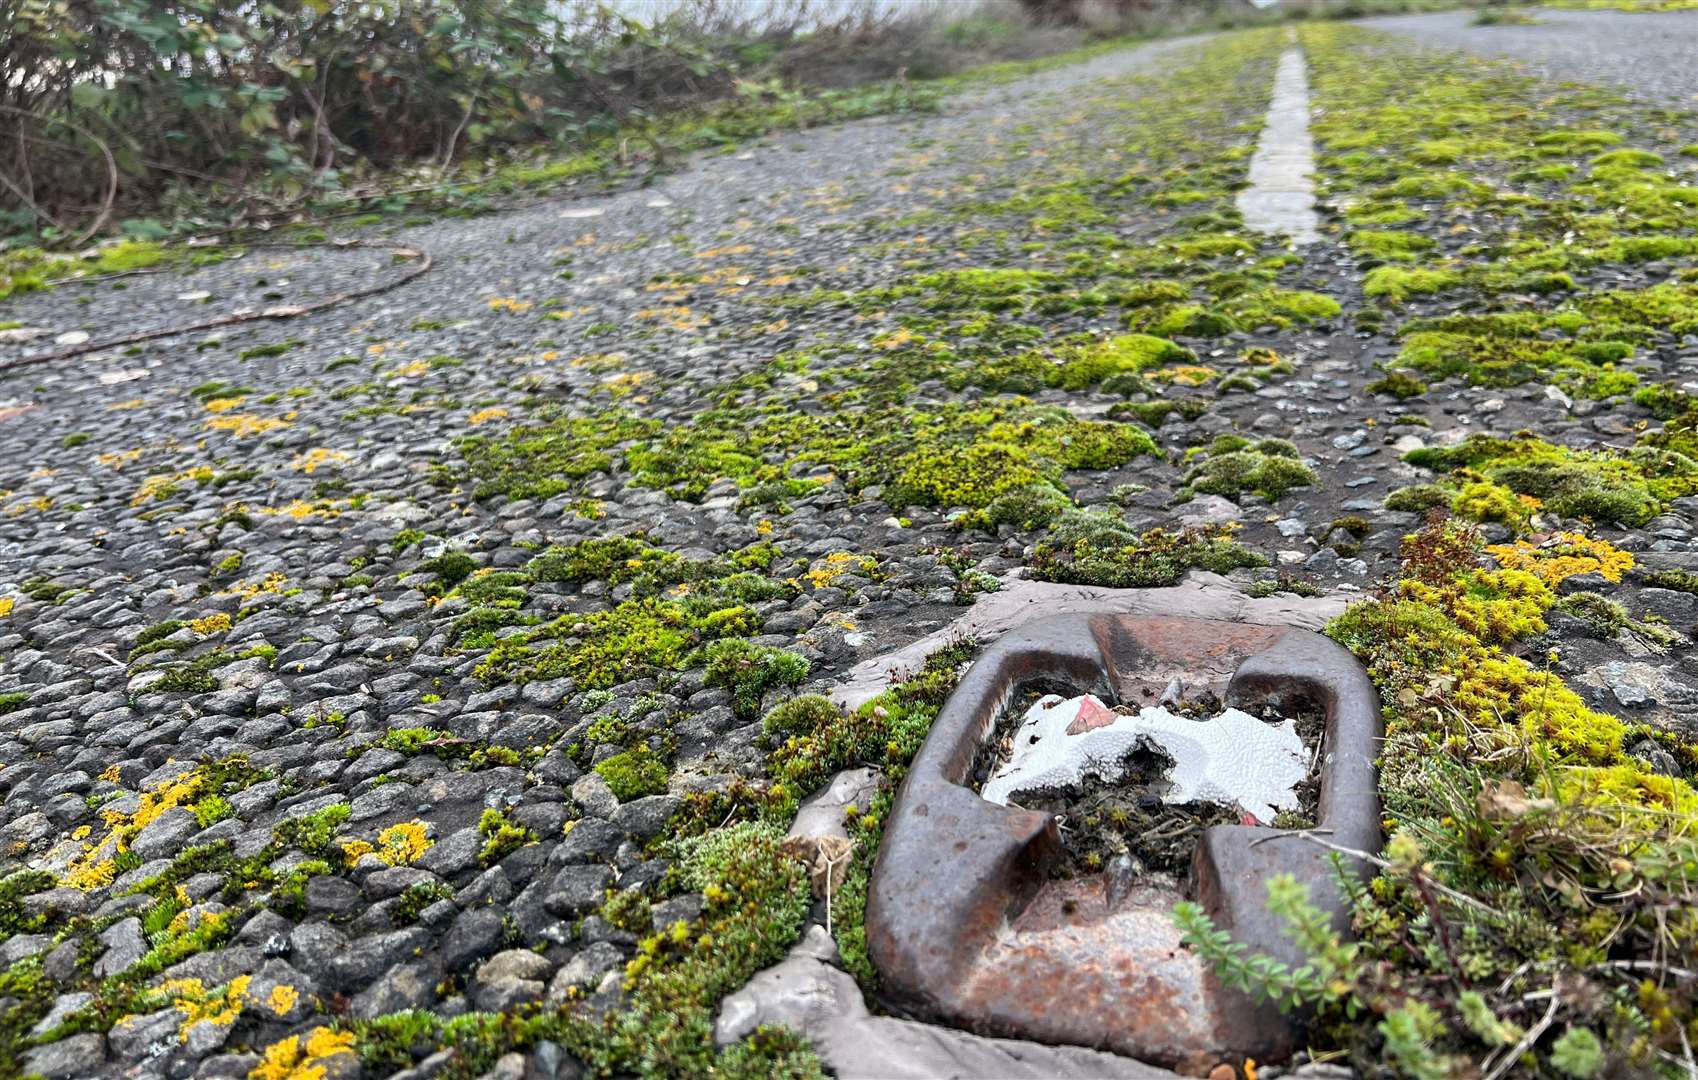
(1281, 195)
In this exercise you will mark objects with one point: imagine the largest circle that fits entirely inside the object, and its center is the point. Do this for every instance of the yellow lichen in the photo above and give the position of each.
(623, 385)
(197, 1006)
(282, 999)
(1183, 374)
(301, 510)
(291, 1059)
(838, 563)
(211, 624)
(273, 582)
(355, 850)
(403, 843)
(484, 416)
(1563, 555)
(225, 404)
(318, 457)
(95, 867)
(117, 459)
(242, 425)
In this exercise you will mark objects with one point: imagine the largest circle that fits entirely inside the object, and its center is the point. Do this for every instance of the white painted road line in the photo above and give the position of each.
(1281, 195)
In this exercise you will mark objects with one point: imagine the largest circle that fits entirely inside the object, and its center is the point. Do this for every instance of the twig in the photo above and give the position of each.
(1461, 898)
(424, 265)
(1651, 965)
(1527, 1040)
(454, 139)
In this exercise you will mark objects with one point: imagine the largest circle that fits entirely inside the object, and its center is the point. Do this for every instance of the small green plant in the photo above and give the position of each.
(502, 836)
(749, 671)
(634, 773)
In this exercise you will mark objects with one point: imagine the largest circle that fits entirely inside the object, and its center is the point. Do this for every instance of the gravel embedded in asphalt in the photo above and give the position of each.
(1654, 55)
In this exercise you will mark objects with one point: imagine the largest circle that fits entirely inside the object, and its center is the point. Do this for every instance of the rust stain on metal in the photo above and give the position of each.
(965, 924)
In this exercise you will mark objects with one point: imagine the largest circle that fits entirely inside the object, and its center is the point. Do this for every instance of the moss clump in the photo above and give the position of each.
(613, 559)
(262, 351)
(1677, 580)
(800, 716)
(1606, 619)
(1031, 507)
(1575, 483)
(539, 461)
(634, 774)
(605, 648)
(987, 289)
(1100, 549)
(756, 896)
(1033, 447)
(1482, 500)
(971, 475)
(449, 569)
(1417, 498)
(1398, 384)
(1191, 320)
(1389, 246)
(1087, 365)
(1280, 308)
(1234, 466)
(501, 836)
(749, 671)
(1397, 283)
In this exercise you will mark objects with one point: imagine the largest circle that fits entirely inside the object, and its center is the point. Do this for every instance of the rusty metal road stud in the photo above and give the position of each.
(966, 925)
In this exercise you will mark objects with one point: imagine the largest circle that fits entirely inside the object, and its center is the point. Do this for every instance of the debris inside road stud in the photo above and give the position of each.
(1232, 758)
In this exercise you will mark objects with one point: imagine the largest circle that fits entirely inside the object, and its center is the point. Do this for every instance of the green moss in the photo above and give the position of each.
(501, 836)
(757, 896)
(1398, 384)
(800, 716)
(14, 700)
(1280, 308)
(1417, 498)
(749, 671)
(274, 349)
(1087, 365)
(1389, 246)
(1269, 468)
(448, 570)
(971, 475)
(1397, 283)
(1190, 320)
(634, 774)
(1677, 580)
(1482, 500)
(540, 461)
(1574, 483)
(1100, 549)
(1031, 507)
(605, 648)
